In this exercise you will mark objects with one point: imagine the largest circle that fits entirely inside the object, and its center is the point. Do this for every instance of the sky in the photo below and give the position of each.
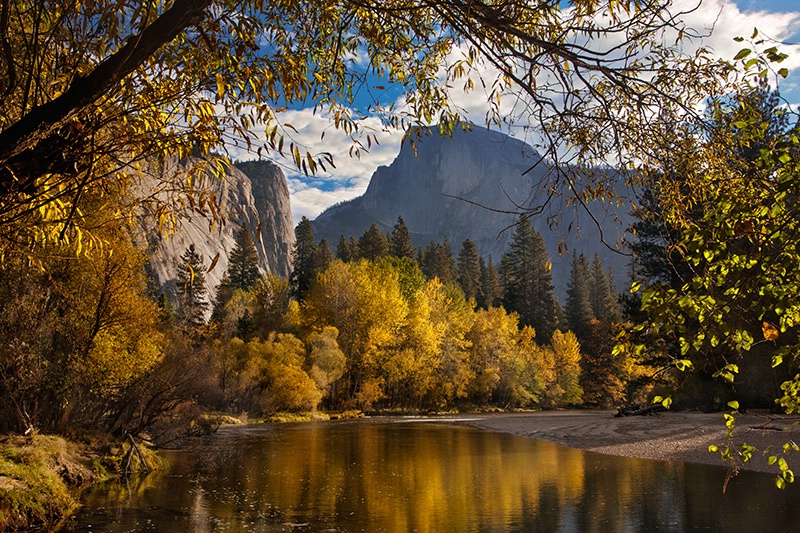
(724, 19)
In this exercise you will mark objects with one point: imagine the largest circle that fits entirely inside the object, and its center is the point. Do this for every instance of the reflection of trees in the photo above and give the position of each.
(413, 477)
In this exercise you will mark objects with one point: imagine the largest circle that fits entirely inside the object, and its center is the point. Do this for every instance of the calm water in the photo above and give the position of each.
(400, 476)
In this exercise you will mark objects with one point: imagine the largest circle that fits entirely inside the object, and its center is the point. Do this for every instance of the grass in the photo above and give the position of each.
(40, 475)
(35, 475)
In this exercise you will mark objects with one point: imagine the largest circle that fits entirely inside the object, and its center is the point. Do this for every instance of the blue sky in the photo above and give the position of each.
(776, 19)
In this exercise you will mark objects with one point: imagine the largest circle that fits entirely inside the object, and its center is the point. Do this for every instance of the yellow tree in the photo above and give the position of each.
(80, 331)
(510, 368)
(363, 301)
(567, 366)
(429, 368)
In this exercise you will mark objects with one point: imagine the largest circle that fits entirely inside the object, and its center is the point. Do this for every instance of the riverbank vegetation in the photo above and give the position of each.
(40, 475)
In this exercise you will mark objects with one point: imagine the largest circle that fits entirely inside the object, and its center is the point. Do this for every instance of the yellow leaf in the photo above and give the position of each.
(770, 331)
(213, 263)
(220, 85)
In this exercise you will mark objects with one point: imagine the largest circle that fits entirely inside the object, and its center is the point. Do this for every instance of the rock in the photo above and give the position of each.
(469, 187)
(260, 202)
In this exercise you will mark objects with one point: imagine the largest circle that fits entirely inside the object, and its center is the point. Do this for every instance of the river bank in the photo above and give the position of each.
(41, 475)
(665, 436)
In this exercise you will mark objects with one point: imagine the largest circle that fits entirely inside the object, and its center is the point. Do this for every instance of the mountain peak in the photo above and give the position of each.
(470, 186)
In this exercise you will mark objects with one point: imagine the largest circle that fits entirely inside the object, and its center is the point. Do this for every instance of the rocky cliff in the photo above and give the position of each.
(253, 194)
(468, 187)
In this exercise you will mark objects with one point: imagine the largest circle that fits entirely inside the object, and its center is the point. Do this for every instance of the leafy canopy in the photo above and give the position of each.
(90, 89)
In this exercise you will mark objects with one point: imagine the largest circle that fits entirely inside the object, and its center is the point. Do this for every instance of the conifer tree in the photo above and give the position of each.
(191, 284)
(490, 284)
(304, 259)
(243, 262)
(469, 270)
(603, 299)
(372, 244)
(438, 262)
(222, 296)
(324, 256)
(166, 310)
(579, 305)
(400, 241)
(355, 254)
(343, 251)
(527, 281)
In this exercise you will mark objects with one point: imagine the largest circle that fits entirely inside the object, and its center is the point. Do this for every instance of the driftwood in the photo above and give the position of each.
(637, 410)
(135, 450)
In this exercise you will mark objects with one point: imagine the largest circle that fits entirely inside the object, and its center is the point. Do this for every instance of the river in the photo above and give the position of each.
(402, 475)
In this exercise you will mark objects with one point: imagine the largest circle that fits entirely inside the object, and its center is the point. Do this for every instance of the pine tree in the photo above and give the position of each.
(437, 261)
(221, 298)
(243, 263)
(166, 311)
(191, 285)
(579, 304)
(372, 244)
(304, 259)
(490, 285)
(469, 270)
(343, 251)
(400, 241)
(603, 300)
(324, 257)
(527, 281)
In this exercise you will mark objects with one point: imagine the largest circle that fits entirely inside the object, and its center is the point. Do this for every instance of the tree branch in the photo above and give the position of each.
(22, 141)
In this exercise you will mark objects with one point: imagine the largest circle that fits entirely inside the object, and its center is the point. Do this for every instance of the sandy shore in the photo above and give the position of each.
(668, 436)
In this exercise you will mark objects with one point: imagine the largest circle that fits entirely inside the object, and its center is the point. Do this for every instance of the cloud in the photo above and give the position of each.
(349, 178)
(724, 20)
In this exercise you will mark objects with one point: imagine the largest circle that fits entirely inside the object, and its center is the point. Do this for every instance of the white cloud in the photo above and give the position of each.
(350, 176)
(727, 21)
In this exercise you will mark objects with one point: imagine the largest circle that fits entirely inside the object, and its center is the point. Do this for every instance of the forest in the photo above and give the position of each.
(95, 93)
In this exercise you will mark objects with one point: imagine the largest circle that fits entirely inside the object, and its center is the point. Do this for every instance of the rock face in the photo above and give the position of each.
(255, 196)
(271, 202)
(468, 187)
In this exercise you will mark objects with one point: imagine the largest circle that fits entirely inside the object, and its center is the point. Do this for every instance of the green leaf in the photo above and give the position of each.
(783, 72)
(780, 483)
(742, 54)
(636, 286)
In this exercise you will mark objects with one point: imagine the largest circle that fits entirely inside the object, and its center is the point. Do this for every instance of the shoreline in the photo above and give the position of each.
(663, 436)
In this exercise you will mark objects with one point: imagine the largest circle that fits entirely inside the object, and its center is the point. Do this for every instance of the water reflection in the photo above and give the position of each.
(398, 477)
